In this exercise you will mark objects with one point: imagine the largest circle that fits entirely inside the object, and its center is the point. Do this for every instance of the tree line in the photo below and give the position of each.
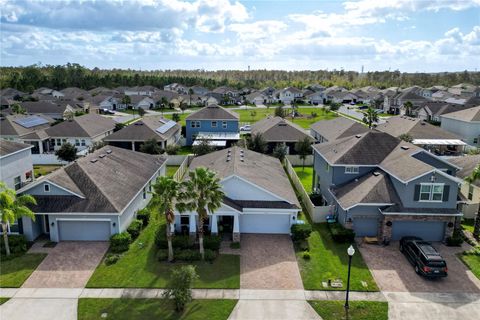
(59, 77)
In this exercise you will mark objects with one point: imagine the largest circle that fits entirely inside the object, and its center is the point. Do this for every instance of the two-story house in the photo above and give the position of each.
(287, 95)
(470, 192)
(465, 123)
(16, 166)
(213, 123)
(382, 186)
(340, 127)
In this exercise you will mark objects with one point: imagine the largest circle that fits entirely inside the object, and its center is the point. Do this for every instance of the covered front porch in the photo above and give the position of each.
(442, 147)
(226, 223)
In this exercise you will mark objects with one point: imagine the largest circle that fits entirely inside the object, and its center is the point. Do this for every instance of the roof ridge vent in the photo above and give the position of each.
(102, 155)
(108, 151)
(93, 160)
(376, 173)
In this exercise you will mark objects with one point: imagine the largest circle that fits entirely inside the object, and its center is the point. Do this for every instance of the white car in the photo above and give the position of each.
(246, 127)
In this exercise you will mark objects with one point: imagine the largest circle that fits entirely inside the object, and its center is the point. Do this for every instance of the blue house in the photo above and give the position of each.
(213, 123)
(384, 187)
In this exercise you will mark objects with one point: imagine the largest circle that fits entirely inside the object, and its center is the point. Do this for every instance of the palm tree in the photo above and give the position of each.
(370, 117)
(13, 207)
(202, 193)
(190, 93)
(475, 176)
(408, 107)
(165, 193)
(303, 148)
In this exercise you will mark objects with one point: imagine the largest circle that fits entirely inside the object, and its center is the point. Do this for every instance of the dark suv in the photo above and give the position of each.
(425, 258)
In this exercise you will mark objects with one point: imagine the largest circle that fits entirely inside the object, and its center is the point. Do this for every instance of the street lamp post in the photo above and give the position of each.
(351, 252)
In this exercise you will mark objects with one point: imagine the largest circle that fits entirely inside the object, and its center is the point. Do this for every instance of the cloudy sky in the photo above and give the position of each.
(409, 35)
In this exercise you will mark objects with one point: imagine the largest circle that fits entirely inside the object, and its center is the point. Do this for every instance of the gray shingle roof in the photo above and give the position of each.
(8, 147)
(144, 130)
(468, 115)
(107, 185)
(337, 128)
(467, 163)
(276, 129)
(259, 169)
(88, 125)
(213, 112)
(416, 128)
(8, 126)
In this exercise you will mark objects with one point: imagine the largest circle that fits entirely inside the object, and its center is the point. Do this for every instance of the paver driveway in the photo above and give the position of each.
(68, 265)
(268, 262)
(393, 272)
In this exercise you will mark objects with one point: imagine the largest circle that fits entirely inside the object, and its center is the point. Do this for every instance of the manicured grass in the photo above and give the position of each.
(3, 300)
(139, 267)
(305, 175)
(329, 260)
(473, 262)
(468, 224)
(44, 170)
(14, 272)
(171, 170)
(120, 309)
(185, 150)
(182, 117)
(359, 310)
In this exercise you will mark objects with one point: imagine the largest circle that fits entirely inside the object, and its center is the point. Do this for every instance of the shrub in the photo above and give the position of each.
(302, 245)
(212, 242)
(301, 231)
(340, 234)
(473, 252)
(210, 255)
(172, 149)
(135, 228)
(235, 245)
(188, 255)
(120, 242)
(144, 215)
(178, 241)
(455, 241)
(17, 243)
(180, 286)
(162, 255)
(111, 258)
(306, 255)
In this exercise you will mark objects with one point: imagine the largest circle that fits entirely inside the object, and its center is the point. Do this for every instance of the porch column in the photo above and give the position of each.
(192, 224)
(214, 228)
(133, 145)
(236, 229)
(40, 147)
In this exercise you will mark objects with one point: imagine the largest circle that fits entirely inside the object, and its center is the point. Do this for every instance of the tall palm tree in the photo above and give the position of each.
(475, 176)
(370, 117)
(13, 207)
(165, 192)
(408, 107)
(202, 193)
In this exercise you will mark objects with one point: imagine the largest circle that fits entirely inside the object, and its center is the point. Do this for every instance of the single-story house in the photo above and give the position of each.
(469, 192)
(464, 123)
(16, 166)
(340, 127)
(258, 195)
(92, 198)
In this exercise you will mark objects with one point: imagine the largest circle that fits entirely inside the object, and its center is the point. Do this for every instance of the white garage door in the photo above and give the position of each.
(265, 223)
(83, 230)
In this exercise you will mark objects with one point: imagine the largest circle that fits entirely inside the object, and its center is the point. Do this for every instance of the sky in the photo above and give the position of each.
(405, 35)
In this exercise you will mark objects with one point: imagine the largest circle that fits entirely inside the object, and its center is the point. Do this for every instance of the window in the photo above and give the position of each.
(351, 170)
(77, 142)
(184, 220)
(195, 124)
(224, 124)
(214, 124)
(475, 140)
(470, 192)
(59, 142)
(327, 167)
(144, 193)
(46, 187)
(431, 192)
(83, 142)
(17, 182)
(64, 140)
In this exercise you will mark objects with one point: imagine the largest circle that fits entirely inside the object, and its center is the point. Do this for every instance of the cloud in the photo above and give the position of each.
(265, 29)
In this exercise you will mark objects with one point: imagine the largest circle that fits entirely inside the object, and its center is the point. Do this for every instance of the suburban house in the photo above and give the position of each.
(107, 102)
(140, 91)
(381, 186)
(176, 87)
(166, 132)
(143, 102)
(395, 103)
(257, 98)
(340, 127)
(432, 110)
(75, 94)
(199, 90)
(423, 134)
(16, 166)
(287, 95)
(258, 195)
(342, 97)
(315, 98)
(464, 123)
(469, 192)
(213, 123)
(276, 130)
(51, 109)
(82, 131)
(225, 95)
(92, 198)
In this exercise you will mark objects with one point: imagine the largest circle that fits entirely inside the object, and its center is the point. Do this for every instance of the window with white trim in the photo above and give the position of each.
(351, 170)
(224, 124)
(77, 142)
(431, 192)
(195, 124)
(83, 143)
(17, 181)
(470, 192)
(214, 124)
(46, 187)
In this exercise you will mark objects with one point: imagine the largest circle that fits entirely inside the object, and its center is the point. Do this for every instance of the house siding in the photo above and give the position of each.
(468, 131)
(425, 157)
(206, 126)
(14, 165)
(323, 177)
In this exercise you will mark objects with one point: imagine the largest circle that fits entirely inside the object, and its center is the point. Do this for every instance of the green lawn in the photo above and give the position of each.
(305, 176)
(185, 150)
(3, 300)
(473, 262)
(14, 272)
(182, 117)
(468, 224)
(44, 170)
(119, 309)
(171, 170)
(139, 267)
(329, 260)
(359, 310)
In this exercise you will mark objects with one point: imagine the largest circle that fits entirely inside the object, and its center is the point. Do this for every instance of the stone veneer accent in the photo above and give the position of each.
(236, 237)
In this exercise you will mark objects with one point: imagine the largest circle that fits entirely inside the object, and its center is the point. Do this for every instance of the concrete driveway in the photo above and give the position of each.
(39, 309)
(68, 265)
(268, 262)
(393, 272)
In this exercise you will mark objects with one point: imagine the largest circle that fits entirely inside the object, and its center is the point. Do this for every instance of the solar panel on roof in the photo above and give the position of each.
(30, 122)
(167, 126)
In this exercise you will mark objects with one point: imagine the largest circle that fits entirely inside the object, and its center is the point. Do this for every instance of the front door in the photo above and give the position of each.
(46, 224)
(226, 224)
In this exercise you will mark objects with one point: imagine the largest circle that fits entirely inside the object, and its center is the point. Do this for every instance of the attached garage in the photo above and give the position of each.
(365, 227)
(265, 223)
(427, 230)
(83, 230)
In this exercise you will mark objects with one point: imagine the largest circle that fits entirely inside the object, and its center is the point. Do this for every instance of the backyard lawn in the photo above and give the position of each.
(14, 272)
(468, 224)
(89, 309)
(473, 262)
(329, 260)
(139, 267)
(44, 170)
(305, 176)
(182, 117)
(171, 170)
(359, 310)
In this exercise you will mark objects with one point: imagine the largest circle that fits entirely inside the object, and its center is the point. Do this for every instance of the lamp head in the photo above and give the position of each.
(351, 251)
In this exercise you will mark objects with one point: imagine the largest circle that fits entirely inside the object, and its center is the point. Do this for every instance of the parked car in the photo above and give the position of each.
(424, 257)
(246, 127)
(106, 111)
